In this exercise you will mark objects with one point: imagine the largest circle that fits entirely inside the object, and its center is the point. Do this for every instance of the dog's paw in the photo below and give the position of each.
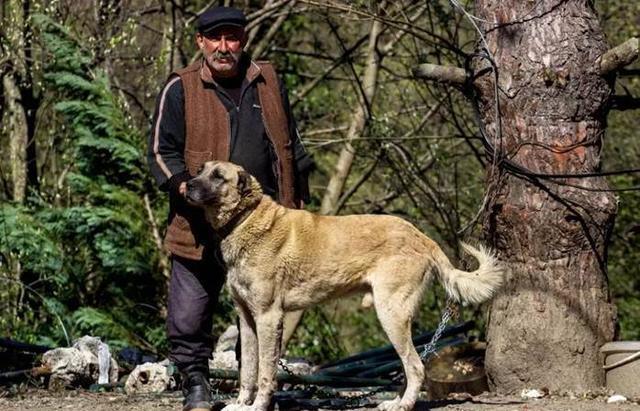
(239, 407)
(246, 397)
(394, 405)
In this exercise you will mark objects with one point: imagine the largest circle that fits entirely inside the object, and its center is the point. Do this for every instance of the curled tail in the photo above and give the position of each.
(474, 286)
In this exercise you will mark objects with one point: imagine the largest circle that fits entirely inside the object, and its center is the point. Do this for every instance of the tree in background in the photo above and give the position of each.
(542, 81)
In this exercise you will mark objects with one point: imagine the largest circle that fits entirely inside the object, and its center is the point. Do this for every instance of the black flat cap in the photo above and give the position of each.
(220, 16)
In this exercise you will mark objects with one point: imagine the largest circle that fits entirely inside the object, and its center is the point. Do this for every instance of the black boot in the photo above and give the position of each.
(195, 388)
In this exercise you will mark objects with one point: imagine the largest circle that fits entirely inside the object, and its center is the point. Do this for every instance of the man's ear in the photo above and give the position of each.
(244, 37)
(200, 40)
(244, 183)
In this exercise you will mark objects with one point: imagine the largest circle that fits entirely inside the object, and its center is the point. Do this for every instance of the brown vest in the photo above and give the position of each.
(207, 137)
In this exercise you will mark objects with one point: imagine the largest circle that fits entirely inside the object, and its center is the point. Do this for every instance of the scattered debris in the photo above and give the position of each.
(80, 364)
(89, 364)
(528, 394)
(616, 398)
(150, 378)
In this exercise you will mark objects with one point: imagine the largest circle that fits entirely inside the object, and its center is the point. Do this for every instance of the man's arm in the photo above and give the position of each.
(165, 152)
(304, 163)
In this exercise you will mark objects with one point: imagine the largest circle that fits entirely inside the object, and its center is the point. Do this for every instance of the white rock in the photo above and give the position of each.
(531, 393)
(225, 360)
(227, 341)
(616, 398)
(79, 365)
(148, 378)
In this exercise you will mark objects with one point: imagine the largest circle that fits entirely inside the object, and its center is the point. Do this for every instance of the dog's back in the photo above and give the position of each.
(322, 257)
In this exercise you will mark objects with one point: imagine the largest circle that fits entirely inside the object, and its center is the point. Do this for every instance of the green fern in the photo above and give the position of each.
(90, 261)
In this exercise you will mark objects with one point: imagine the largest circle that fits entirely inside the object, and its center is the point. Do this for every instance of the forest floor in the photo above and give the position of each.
(43, 400)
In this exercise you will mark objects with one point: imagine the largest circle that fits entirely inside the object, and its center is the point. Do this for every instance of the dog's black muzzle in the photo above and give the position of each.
(198, 194)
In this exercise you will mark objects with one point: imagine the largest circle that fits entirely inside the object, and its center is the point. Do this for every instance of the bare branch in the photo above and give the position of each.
(323, 131)
(164, 263)
(351, 191)
(260, 48)
(442, 74)
(193, 18)
(257, 17)
(299, 95)
(357, 125)
(619, 56)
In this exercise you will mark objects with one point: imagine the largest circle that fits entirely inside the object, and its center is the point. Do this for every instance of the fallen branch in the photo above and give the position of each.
(619, 56)
(19, 375)
(164, 261)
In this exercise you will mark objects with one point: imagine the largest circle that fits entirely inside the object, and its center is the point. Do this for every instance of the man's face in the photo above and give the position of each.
(222, 49)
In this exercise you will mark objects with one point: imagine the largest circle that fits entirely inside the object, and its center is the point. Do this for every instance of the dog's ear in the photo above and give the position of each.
(244, 182)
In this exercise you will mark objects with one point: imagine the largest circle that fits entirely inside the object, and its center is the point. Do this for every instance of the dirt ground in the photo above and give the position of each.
(42, 400)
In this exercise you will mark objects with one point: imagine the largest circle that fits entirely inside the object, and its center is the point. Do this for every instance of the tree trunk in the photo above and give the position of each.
(20, 98)
(554, 313)
(18, 138)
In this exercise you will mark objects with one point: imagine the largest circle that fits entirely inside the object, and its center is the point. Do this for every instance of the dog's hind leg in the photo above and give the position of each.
(248, 357)
(395, 308)
(269, 328)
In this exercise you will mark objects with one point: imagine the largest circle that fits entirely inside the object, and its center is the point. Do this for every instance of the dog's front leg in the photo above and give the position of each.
(249, 357)
(269, 328)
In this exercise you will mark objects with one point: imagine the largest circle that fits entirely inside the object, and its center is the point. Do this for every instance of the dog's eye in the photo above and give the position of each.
(217, 175)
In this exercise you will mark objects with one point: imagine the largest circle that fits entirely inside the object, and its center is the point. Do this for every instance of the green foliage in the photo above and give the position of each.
(93, 321)
(24, 238)
(91, 260)
(66, 53)
(316, 339)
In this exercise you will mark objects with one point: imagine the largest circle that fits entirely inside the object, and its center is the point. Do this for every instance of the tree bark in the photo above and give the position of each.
(18, 138)
(554, 313)
(20, 98)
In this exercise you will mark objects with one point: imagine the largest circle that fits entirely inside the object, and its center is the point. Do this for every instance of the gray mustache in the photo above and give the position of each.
(220, 55)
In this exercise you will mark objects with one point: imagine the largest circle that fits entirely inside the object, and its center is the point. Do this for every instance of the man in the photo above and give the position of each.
(223, 107)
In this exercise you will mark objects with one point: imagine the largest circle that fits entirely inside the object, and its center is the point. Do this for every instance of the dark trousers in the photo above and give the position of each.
(193, 295)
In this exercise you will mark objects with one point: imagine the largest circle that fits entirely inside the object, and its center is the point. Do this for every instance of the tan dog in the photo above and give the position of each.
(281, 260)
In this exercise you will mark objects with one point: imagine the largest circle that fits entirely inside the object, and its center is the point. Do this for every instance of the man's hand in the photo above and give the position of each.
(182, 189)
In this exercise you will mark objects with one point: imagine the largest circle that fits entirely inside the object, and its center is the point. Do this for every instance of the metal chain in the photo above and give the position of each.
(285, 368)
(451, 310)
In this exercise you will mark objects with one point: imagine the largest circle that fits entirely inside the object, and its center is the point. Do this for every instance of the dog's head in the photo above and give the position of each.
(223, 190)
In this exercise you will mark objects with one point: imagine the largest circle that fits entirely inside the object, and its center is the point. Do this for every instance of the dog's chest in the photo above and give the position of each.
(241, 278)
